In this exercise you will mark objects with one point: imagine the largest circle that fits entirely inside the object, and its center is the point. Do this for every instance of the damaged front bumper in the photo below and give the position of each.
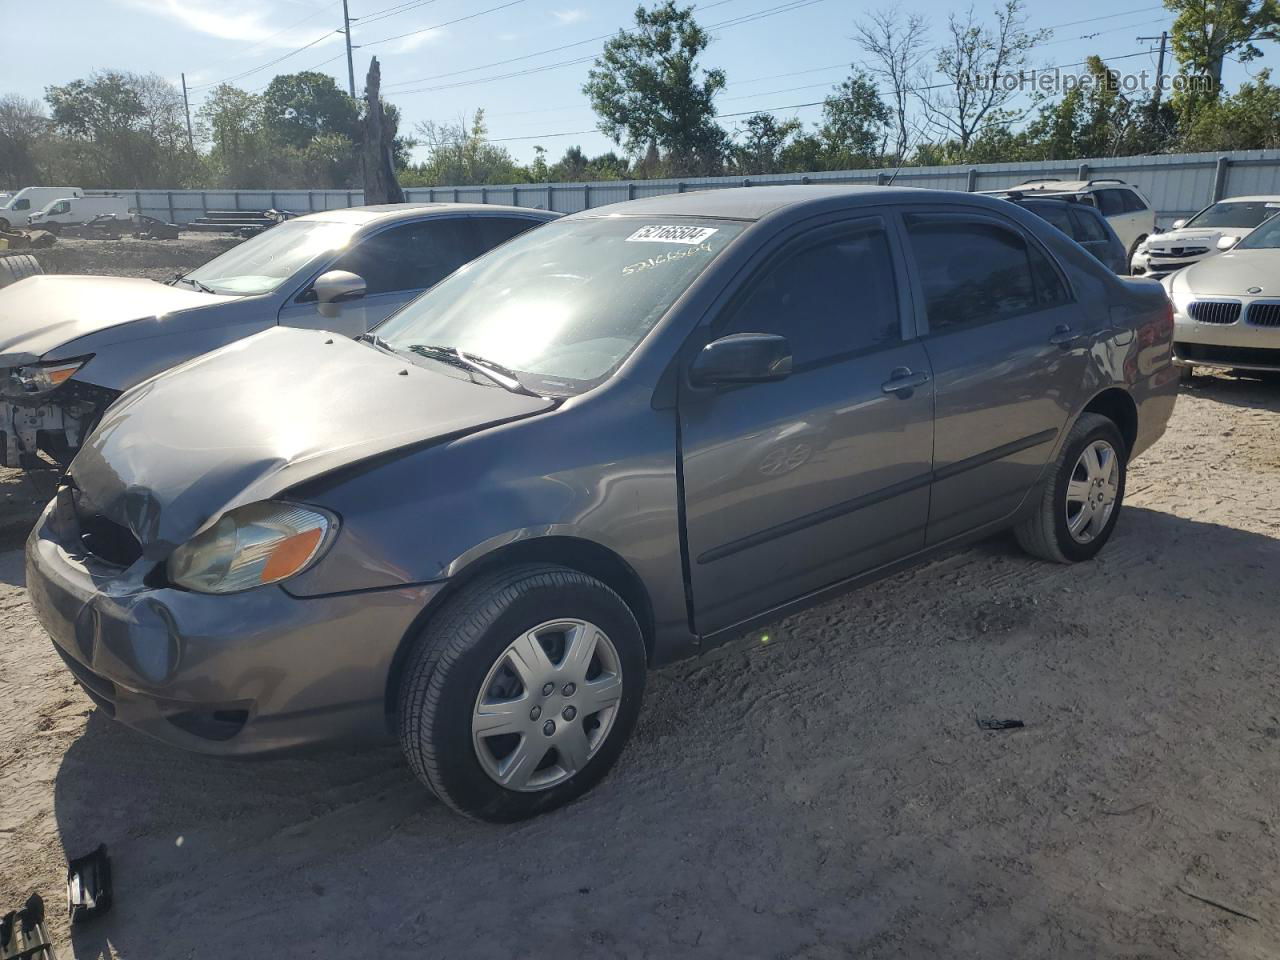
(55, 422)
(224, 674)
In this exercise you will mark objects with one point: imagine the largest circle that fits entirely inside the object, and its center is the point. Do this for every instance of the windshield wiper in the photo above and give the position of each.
(204, 288)
(377, 341)
(502, 376)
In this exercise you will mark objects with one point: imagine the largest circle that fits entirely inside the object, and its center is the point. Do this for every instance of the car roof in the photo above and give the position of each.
(1258, 198)
(756, 203)
(384, 212)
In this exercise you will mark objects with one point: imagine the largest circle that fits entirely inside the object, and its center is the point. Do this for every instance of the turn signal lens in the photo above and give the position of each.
(40, 377)
(252, 545)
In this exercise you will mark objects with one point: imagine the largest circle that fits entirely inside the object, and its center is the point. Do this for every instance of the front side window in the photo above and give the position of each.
(492, 231)
(563, 305)
(1235, 213)
(62, 206)
(265, 262)
(974, 272)
(1266, 237)
(413, 256)
(23, 204)
(830, 298)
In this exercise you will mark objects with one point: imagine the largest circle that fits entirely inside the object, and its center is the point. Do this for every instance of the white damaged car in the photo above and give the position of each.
(1218, 227)
(69, 345)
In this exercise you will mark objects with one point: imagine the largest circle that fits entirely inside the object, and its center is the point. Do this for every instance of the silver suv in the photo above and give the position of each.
(1128, 212)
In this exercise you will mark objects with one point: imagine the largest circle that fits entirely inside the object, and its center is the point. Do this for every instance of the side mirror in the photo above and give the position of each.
(1178, 224)
(338, 286)
(742, 358)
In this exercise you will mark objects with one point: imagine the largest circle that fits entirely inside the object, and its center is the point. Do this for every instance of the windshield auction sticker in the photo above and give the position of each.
(671, 234)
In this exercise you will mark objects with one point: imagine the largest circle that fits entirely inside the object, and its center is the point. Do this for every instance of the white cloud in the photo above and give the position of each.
(229, 21)
(572, 15)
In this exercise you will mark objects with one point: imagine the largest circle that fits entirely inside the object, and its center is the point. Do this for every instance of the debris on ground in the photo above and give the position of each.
(22, 933)
(89, 885)
(995, 723)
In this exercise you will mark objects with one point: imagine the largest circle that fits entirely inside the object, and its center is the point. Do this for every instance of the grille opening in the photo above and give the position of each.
(1215, 311)
(108, 540)
(1244, 356)
(1264, 314)
(210, 724)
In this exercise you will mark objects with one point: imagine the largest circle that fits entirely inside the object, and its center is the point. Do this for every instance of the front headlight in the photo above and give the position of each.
(252, 545)
(39, 378)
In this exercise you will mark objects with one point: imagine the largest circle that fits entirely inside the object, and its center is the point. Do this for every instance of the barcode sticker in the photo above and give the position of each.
(671, 234)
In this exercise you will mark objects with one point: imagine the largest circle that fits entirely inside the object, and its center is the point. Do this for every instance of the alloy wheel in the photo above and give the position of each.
(1092, 491)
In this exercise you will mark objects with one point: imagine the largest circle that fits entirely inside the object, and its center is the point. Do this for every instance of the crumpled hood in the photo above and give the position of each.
(246, 422)
(45, 311)
(1233, 274)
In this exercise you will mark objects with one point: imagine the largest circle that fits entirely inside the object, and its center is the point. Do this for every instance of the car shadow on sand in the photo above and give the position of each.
(824, 793)
(1258, 391)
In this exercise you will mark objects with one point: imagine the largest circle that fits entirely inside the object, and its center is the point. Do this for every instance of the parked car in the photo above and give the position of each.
(149, 228)
(1227, 308)
(106, 226)
(69, 345)
(74, 211)
(1080, 221)
(15, 211)
(1219, 226)
(1129, 212)
(480, 526)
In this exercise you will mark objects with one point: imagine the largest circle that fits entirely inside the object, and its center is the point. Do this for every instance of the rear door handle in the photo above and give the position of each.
(902, 382)
(1063, 336)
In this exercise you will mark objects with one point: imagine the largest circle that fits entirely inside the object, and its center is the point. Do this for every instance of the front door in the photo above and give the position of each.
(795, 484)
(1008, 347)
(396, 264)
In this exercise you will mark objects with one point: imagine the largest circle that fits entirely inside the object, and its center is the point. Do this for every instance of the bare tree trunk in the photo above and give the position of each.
(380, 184)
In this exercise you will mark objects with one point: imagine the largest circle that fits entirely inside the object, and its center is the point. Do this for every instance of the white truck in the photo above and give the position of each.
(15, 211)
(77, 210)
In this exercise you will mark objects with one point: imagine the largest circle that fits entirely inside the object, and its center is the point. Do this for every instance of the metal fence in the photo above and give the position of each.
(1177, 185)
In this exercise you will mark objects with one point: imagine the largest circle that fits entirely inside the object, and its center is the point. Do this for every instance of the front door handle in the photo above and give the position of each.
(1063, 336)
(903, 382)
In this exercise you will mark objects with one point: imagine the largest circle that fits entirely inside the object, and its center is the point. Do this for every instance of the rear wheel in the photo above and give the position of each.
(521, 693)
(1080, 505)
(17, 266)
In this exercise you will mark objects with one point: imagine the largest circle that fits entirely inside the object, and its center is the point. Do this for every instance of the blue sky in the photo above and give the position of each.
(788, 58)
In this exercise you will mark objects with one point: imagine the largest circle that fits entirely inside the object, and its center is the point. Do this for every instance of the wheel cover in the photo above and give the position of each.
(547, 705)
(1092, 491)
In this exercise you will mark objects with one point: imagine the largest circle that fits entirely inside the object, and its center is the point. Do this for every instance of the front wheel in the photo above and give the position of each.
(1081, 502)
(521, 693)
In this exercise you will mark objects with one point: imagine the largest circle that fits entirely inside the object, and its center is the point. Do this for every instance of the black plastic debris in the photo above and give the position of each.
(22, 933)
(995, 723)
(89, 885)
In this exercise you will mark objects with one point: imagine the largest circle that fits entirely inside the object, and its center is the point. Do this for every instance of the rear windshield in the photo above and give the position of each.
(1235, 213)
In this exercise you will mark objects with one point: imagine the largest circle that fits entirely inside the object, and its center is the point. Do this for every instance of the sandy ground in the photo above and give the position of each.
(826, 793)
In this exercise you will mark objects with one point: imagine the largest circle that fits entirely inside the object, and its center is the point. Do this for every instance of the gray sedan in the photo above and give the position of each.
(69, 345)
(615, 441)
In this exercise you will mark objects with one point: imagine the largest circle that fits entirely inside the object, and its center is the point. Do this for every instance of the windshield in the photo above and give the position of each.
(1229, 213)
(1266, 237)
(565, 303)
(266, 261)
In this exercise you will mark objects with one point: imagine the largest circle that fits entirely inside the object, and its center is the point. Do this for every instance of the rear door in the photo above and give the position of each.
(397, 264)
(793, 485)
(1008, 348)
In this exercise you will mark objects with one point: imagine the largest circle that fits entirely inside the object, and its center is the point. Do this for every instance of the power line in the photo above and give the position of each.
(447, 23)
(269, 63)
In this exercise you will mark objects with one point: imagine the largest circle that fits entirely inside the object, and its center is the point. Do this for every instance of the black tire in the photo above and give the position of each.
(1133, 251)
(4, 224)
(452, 658)
(16, 266)
(1186, 374)
(1044, 533)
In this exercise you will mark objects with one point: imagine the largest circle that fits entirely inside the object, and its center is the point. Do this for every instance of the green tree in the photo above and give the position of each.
(647, 88)
(241, 153)
(23, 127)
(460, 153)
(1206, 32)
(1247, 120)
(298, 107)
(855, 123)
(763, 144)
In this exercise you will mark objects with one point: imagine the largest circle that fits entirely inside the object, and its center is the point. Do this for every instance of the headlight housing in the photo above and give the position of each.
(253, 545)
(37, 378)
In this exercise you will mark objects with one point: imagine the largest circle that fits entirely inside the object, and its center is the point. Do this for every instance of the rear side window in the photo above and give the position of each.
(830, 298)
(974, 272)
(1088, 229)
(410, 257)
(1055, 214)
(1111, 202)
(1132, 202)
(491, 231)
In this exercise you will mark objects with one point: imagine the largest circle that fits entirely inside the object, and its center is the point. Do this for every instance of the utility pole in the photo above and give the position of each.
(1164, 43)
(186, 106)
(351, 69)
